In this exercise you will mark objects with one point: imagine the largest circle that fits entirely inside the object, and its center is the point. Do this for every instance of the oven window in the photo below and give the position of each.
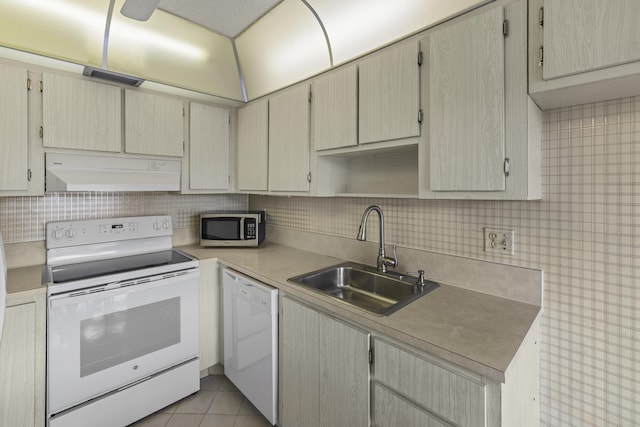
(115, 338)
(221, 229)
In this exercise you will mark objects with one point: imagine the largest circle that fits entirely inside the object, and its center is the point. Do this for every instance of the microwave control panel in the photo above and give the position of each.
(249, 228)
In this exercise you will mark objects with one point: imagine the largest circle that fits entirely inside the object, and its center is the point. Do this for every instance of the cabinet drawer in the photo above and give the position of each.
(391, 410)
(455, 396)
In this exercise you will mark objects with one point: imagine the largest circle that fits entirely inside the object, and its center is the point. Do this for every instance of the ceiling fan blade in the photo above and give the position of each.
(140, 10)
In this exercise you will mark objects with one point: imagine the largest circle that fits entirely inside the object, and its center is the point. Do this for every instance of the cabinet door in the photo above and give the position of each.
(584, 35)
(289, 123)
(13, 129)
(451, 394)
(18, 367)
(466, 104)
(344, 374)
(81, 114)
(209, 313)
(208, 147)
(154, 124)
(389, 94)
(335, 109)
(391, 410)
(253, 146)
(299, 360)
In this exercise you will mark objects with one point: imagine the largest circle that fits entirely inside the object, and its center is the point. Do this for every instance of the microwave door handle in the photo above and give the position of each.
(242, 228)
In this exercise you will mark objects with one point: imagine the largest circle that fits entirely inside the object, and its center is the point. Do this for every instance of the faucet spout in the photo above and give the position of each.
(383, 260)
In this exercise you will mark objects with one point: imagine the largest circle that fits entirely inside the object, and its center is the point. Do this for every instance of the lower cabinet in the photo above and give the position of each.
(328, 377)
(411, 388)
(324, 369)
(209, 314)
(22, 361)
(430, 390)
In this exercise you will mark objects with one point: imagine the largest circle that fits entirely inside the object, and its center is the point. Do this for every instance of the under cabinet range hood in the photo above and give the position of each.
(78, 172)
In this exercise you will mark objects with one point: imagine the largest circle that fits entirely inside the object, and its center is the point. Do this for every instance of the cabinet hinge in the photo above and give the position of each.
(540, 56)
(420, 116)
(28, 84)
(29, 175)
(371, 356)
(41, 86)
(419, 58)
(41, 132)
(507, 167)
(505, 28)
(541, 17)
(309, 177)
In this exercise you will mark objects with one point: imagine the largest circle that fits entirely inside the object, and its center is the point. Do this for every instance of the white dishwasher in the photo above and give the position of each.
(251, 340)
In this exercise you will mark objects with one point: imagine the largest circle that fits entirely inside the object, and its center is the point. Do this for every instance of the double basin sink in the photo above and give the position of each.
(365, 287)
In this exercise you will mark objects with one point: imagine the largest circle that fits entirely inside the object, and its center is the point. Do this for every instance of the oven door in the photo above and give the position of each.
(103, 340)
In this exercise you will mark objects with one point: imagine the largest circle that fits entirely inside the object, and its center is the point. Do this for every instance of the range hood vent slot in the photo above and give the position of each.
(112, 76)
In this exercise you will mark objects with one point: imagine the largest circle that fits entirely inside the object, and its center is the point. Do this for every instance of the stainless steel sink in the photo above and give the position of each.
(364, 287)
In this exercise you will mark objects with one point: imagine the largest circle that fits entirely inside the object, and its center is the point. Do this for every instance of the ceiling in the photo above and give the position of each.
(230, 50)
(226, 17)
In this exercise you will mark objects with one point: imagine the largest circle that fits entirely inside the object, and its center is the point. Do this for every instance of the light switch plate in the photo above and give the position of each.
(499, 241)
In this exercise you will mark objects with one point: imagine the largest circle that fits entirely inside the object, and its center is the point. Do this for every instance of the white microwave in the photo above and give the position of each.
(237, 228)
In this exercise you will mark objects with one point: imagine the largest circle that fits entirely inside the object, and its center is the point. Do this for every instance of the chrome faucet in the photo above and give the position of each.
(383, 260)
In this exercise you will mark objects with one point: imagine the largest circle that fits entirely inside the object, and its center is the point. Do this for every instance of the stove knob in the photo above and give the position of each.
(166, 224)
(156, 226)
(70, 233)
(57, 234)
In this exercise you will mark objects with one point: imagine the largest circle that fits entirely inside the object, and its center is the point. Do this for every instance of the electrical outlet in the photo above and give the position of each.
(499, 241)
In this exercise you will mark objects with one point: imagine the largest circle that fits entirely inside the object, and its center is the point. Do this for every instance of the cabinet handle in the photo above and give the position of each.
(541, 17)
(540, 56)
(29, 175)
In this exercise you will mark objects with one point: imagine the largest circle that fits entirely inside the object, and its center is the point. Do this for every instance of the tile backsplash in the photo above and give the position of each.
(22, 219)
(584, 234)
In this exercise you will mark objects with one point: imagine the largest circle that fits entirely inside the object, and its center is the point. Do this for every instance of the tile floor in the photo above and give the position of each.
(218, 404)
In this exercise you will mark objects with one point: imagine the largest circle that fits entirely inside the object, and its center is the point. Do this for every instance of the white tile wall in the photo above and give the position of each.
(22, 219)
(584, 234)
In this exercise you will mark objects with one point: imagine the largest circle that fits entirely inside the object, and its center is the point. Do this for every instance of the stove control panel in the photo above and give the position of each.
(85, 232)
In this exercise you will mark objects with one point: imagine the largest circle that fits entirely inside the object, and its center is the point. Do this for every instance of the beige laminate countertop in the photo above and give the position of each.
(473, 330)
(25, 281)
(476, 331)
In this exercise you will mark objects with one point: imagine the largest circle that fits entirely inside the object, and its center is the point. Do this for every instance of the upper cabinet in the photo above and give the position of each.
(21, 163)
(574, 43)
(389, 95)
(289, 133)
(81, 114)
(208, 147)
(154, 124)
(484, 131)
(14, 162)
(253, 147)
(466, 94)
(335, 109)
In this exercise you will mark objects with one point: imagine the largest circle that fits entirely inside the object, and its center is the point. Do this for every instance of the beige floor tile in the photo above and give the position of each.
(196, 404)
(170, 409)
(213, 420)
(226, 403)
(158, 419)
(228, 386)
(251, 421)
(185, 420)
(211, 382)
(247, 408)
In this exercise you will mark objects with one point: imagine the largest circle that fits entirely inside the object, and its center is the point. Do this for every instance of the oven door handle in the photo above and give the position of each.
(120, 288)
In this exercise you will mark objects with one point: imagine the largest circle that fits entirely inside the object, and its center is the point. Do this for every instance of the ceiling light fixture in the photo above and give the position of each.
(140, 10)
